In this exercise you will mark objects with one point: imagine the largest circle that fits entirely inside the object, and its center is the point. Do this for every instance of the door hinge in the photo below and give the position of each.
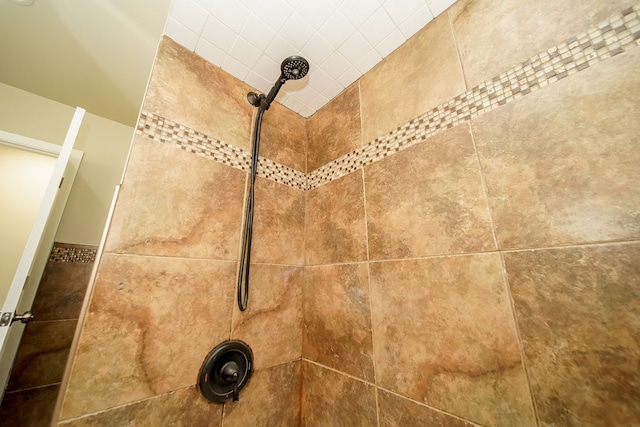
(5, 319)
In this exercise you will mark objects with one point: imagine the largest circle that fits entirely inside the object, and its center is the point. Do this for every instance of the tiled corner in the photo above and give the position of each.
(421, 74)
(578, 310)
(444, 334)
(335, 223)
(333, 399)
(283, 137)
(337, 319)
(191, 209)
(272, 323)
(335, 129)
(561, 165)
(151, 322)
(270, 398)
(428, 200)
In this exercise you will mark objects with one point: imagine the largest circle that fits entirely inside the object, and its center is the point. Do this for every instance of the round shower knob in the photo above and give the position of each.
(225, 371)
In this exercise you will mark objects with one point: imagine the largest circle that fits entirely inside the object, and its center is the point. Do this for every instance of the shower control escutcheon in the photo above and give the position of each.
(225, 371)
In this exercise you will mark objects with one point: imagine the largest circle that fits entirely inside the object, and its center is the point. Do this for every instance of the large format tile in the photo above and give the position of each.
(272, 323)
(283, 137)
(428, 200)
(184, 408)
(335, 129)
(421, 74)
(396, 411)
(333, 399)
(271, 398)
(192, 92)
(42, 355)
(337, 318)
(561, 164)
(578, 310)
(335, 225)
(278, 224)
(444, 335)
(175, 203)
(29, 408)
(137, 414)
(494, 36)
(150, 324)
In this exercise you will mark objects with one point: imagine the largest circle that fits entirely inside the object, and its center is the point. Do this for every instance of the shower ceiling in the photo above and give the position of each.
(342, 39)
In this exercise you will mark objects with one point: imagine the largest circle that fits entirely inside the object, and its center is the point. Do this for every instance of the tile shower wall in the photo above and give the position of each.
(164, 295)
(488, 273)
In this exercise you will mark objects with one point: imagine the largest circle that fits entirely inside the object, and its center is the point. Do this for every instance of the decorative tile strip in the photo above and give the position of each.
(603, 41)
(72, 253)
(164, 130)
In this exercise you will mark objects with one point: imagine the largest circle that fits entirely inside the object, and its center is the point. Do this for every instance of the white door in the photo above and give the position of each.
(36, 251)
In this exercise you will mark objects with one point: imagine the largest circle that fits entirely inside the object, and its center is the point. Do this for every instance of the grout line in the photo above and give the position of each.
(455, 43)
(38, 387)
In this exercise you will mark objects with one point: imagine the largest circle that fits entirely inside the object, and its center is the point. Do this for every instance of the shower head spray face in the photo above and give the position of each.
(294, 68)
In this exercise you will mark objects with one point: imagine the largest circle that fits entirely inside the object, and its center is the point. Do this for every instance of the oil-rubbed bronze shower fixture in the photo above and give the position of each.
(225, 371)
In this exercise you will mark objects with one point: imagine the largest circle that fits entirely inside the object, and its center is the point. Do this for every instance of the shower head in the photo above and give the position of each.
(294, 68)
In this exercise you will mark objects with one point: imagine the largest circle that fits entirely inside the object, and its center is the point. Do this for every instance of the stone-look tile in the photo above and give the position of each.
(29, 408)
(184, 408)
(335, 129)
(177, 204)
(337, 318)
(578, 310)
(396, 411)
(444, 334)
(272, 323)
(187, 89)
(134, 415)
(492, 37)
(150, 324)
(283, 137)
(420, 75)
(271, 398)
(42, 355)
(428, 200)
(278, 224)
(335, 225)
(61, 290)
(561, 164)
(333, 399)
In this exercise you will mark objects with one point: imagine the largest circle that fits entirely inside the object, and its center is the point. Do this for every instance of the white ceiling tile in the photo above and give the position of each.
(249, 4)
(205, 4)
(355, 48)
(235, 67)
(391, 43)
(297, 86)
(306, 111)
(296, 31)
(439, 6)
(317, 49)
(317, 102)
(377, 27)
(189, 14)
(274, 13)
(279, 49)
(416, 21)
(368, 61)
(231, 13)
(358, 11)
(181, 34)
(315, 12)
(337, 29)
(320, 80)
(306, 92)
(257, 82)
(333, 90)
(257, 32)
(210, 52)
(292, 103)
(245, 52)
(336, 65)
(218, 34)
(267, 68)
(349, 76)
(401, 10)
(293, 3)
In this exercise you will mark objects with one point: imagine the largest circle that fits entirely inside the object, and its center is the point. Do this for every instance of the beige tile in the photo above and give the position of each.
(335, 129)
(396, 411)
(444, 335)
(271, 398)
(578, 310)
(151, 322)
(192, 92)
(272, 323)
(421, 74)
(428, 200)
(561, 164)
(337, 319)
(177, 204)
(184, 408)
(335, 225)
(278, 224)
(134, 415)
(493, 37)
(333, 399)
(32, 407)
(283, 138)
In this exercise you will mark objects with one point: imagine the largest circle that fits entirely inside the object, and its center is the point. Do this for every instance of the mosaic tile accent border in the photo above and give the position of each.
(164, 130)
(616, 35)
(73, 253)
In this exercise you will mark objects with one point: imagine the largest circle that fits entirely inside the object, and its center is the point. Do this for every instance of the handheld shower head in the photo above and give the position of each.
(294, 68)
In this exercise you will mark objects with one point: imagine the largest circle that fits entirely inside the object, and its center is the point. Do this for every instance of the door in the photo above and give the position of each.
(26, 279)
